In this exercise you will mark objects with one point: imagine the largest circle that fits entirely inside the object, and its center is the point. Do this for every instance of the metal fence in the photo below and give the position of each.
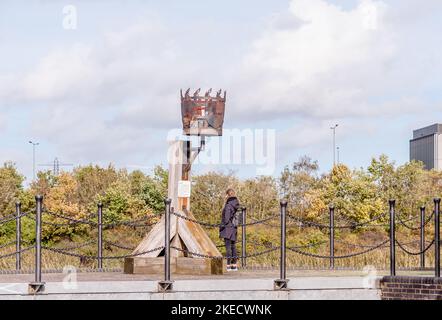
(391, 242)
(94, 220)
(281, 283)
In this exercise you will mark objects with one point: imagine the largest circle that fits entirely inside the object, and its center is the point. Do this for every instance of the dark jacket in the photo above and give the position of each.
(227, 230)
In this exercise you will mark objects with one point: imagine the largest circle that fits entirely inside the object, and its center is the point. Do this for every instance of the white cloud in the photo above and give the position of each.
(315, 63)
(336, 63)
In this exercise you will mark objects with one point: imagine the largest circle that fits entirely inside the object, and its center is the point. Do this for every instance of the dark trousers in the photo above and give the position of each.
(230, 251)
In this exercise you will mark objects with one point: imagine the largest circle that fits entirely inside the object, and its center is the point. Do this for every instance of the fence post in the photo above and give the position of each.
(437, 236)
(243, 238)
(422, 236)
(281, 283)
(18, 236)
(332, 237)
(392, 238)
(166, 284)
(37, 286)
(100, 236)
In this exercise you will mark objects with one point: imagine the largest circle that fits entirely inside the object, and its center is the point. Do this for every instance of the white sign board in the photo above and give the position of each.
(184, 189)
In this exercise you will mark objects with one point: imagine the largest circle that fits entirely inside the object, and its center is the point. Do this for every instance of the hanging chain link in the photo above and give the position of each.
(7, 244)
(104, 257)
(216, 225)
(349, 226)
(339, 257)
(72, 220)
(78, 246)
(401, 245)
(356, 245)
(8, 218)
(222, 257)
(15, 252)
(403, 222)
(117, 245)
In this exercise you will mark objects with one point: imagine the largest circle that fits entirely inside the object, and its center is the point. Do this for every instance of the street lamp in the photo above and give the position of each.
(337, 150)
(34, 144)
(334, 143)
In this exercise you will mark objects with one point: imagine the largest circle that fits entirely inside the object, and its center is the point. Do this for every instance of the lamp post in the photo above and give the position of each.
(34, 144)
(334, 143)
(337, 150)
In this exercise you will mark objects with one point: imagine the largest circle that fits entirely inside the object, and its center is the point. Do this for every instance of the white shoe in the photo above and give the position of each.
(235, 268)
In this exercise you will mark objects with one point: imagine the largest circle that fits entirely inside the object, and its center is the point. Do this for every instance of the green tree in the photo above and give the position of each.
(10, 188)
(297, 181)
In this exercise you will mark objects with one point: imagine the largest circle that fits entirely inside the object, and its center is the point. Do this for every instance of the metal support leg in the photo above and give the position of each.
(437, 237)
(392, 238)
(166, 285)
(18, 236)
(422, 238)
(281, 283)
(332, 237)
(243, 238)
(100, 237)
(37, 286)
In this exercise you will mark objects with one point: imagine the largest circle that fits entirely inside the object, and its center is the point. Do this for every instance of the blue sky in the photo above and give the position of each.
(108, 91)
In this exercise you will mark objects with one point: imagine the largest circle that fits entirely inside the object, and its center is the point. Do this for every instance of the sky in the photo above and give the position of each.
(98, 81)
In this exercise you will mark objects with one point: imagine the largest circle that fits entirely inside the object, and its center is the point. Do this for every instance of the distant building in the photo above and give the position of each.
(426, 146)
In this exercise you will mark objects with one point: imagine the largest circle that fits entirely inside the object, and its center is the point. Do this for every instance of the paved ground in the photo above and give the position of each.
(242, 274)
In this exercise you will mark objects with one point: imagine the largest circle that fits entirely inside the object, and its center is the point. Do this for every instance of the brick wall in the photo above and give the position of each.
(411, 288)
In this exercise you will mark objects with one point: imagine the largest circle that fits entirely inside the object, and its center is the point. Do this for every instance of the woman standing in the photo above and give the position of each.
(228, 230)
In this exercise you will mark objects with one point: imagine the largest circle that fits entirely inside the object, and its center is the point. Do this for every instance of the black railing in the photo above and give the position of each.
(280, 283)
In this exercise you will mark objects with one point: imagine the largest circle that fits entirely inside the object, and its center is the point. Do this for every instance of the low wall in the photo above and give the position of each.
(305, 288)
(411, 288)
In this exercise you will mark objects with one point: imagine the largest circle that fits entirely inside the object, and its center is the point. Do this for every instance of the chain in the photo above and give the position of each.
(206, 224)
(263, 221)
(403, 223)
(354, 245)
(7, 244)
(216, 225)
(73, 221)
(339, 257)
(309, 223)
(117, 245)
(267, 224)
(134, 223)
(134, 254)
(15, 252)
(311, 245)
(414, 253)
(97, 257)
(221, 257)
(81, 245)
(8, 218)
(349, 226)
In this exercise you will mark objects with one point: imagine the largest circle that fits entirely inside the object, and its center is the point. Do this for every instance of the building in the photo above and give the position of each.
(426, 146)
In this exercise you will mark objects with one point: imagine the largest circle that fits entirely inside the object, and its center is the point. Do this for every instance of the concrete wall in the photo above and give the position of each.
(306, 288)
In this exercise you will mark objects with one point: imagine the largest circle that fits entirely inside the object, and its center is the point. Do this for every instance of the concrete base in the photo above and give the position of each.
(165, 286)
(178, 265)
(305, 288)
(280, 284)
(36, 287)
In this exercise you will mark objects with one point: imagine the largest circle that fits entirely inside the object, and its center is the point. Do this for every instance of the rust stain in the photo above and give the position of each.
(203, 114)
